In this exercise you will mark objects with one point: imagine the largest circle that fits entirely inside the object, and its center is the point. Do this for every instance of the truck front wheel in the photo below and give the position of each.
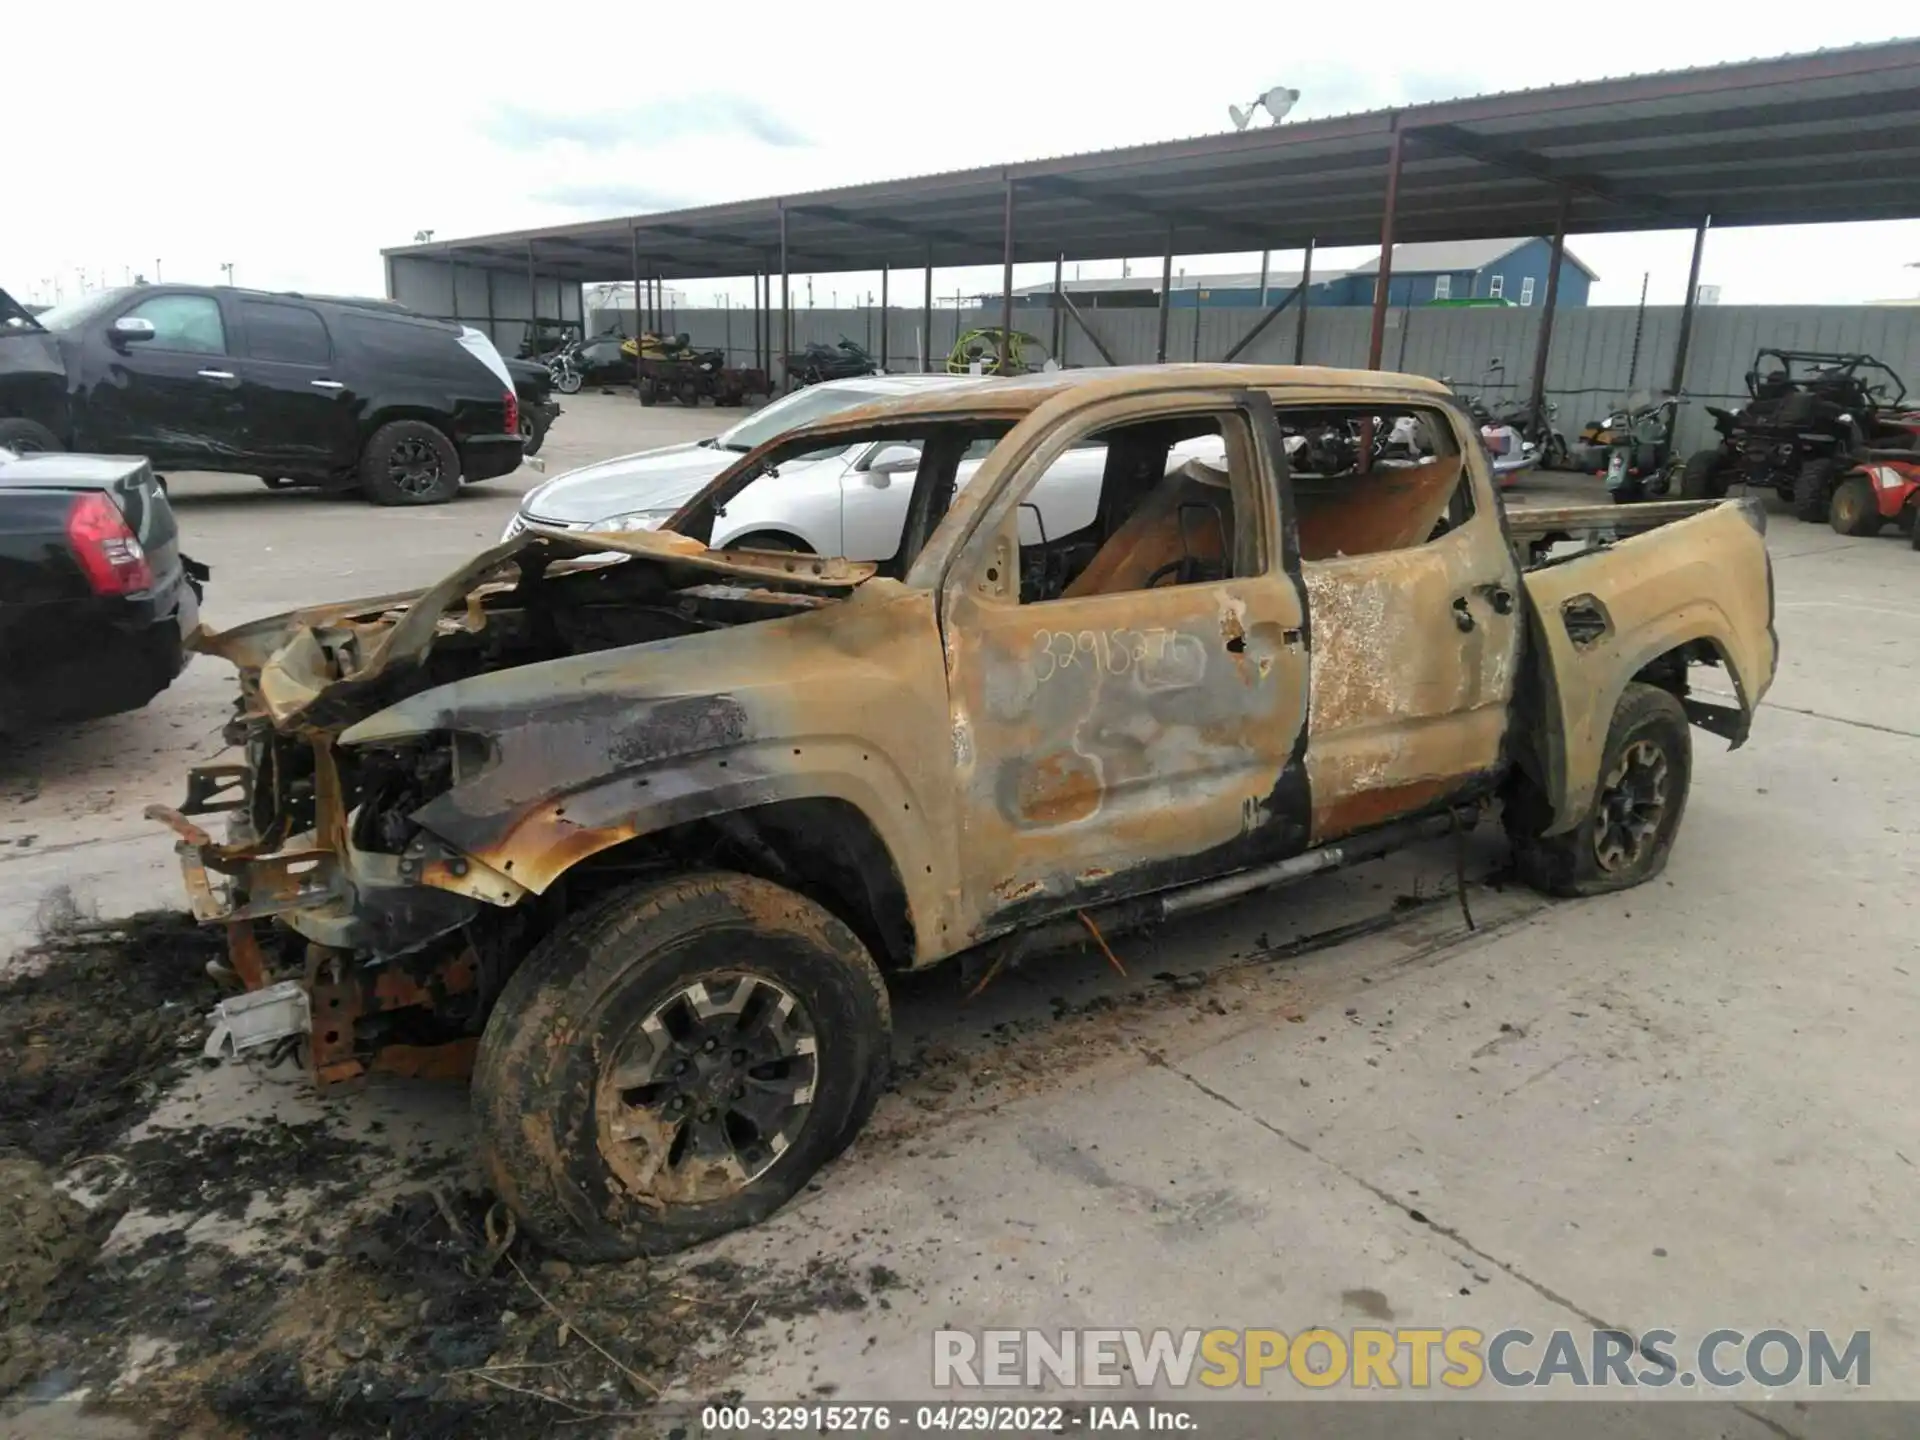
(676, 1063)
(1637, 806)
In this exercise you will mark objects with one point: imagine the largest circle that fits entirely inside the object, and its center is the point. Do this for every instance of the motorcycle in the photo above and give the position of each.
(1637, 436)
(563, 365)
(1510, 452)
(830, 362)
(1535, 425)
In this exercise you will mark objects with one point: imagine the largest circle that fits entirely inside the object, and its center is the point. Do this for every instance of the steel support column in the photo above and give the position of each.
(1059, 320)
(786, 301)
(926, 319)
(1377, 338)
(1006, 288)
(1686, 312)
(1538, 394)
(1266, 257)
(533, 292)
(1306, 289)
(1166, 298)
(884, 274)
(634, 235)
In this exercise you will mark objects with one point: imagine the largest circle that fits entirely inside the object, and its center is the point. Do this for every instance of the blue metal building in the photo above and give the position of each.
(1511, 270)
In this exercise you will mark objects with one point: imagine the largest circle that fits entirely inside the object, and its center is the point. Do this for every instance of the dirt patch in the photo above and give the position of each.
(90, 1035)
(229, 1170)
(43, 1235)
(342, 1316)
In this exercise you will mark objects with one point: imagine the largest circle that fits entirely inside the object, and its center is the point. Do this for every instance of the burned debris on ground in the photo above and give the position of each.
(378, 1298)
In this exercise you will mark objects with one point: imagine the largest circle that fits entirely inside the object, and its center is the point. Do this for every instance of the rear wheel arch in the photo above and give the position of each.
(1662, 663)
(370, 424)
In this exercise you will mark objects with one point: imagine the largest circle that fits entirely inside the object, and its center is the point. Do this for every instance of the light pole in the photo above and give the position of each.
(227, 265)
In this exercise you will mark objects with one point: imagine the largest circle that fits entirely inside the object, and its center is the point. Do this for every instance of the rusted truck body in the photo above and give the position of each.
(636, 828)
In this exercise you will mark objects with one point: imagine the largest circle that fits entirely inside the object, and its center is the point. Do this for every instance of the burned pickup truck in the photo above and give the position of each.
(637, 829)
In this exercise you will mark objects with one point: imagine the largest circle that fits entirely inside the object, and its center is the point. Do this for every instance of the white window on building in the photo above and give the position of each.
(1443, 287)
(1526, 290)
(1496, 287)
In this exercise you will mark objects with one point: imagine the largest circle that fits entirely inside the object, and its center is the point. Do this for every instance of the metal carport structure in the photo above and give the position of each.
(1832, 135)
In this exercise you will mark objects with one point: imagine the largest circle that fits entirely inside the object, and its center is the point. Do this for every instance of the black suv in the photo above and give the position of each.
(290, 388)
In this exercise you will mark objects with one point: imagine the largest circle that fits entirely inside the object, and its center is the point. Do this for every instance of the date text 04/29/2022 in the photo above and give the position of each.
(952, 1417)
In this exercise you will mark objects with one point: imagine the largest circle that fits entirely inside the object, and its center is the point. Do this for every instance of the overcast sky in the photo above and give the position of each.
(295, 142)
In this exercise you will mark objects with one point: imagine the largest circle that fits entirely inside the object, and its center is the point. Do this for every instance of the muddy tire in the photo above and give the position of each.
(28, 437)
(1855, 507)
(409, 462)
(677, 1062)
(1700, 477)
(1812, 490)
(1637, 806)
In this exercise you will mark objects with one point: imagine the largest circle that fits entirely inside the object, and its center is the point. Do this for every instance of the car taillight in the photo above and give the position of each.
(107, 550)
(513, 413)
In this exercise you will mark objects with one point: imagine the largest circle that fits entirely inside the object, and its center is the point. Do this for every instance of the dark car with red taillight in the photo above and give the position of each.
(293, 389)
(96, 600)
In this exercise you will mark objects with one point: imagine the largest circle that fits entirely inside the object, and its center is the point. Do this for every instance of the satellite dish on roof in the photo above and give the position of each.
(1277, 102)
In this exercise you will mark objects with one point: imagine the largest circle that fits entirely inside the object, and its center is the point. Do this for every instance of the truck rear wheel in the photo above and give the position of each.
(1637, 807)
(676, 1063)
(1855, 508)
(409, 462)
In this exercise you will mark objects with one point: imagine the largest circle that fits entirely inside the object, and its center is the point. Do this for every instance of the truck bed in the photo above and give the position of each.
(1540, 532)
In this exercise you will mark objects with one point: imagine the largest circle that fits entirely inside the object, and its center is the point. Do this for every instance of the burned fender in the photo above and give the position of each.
(560, 760)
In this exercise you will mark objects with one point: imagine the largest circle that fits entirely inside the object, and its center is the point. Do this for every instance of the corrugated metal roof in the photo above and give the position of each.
(1828, 135)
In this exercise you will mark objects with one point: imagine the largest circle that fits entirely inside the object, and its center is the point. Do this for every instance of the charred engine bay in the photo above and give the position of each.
(549, 614)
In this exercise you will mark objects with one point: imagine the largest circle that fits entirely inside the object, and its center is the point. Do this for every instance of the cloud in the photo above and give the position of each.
(613, 197)
(685, 117)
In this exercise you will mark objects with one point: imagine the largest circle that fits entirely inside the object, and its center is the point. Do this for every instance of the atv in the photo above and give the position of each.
(1883, 490)
(1811, 418)
(982, 347)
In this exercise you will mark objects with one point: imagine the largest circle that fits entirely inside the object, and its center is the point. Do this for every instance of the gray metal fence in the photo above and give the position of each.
(494, 301)
(1599, 353)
